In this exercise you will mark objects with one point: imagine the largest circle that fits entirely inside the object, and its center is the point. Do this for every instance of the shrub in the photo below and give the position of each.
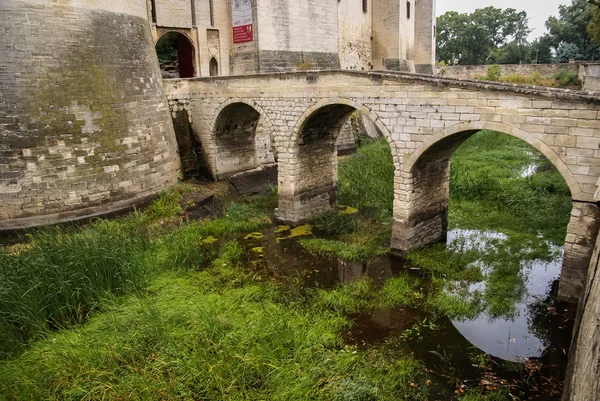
(566, 78)
(494, 73)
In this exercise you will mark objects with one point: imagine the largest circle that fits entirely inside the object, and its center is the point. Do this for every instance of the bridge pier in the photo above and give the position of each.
(579, 246)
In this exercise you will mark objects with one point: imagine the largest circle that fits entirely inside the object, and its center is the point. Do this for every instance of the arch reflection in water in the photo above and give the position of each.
(511, 338)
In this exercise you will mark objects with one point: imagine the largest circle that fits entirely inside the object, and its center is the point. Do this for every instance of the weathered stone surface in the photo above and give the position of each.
(581, 382)
(84, 126)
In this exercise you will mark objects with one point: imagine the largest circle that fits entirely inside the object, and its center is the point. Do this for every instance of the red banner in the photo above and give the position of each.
(243, 34)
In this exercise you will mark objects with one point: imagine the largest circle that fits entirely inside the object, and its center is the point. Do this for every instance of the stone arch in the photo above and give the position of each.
(472, 127)
(186, 63)
(296, 133)
(421, 206)
(308, 172)
(241, 136)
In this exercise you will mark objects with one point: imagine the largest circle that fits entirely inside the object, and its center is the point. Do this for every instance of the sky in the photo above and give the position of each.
(538, 11)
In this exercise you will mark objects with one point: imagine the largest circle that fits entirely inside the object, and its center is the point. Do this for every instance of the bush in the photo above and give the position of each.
(566, 78)
(494, 73)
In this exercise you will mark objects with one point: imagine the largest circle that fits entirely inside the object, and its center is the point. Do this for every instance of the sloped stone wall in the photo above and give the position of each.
(84, 125)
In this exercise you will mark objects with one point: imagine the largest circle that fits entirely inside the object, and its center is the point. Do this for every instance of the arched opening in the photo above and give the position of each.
(503, 208)
(242, 139)
(309, 180)
(358, 130)
(175, 55)
(214, 67)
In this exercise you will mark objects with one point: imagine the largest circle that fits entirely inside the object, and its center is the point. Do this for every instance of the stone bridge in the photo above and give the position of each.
(293, 119)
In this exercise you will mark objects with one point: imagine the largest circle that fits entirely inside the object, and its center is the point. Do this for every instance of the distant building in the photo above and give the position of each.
(234, 37)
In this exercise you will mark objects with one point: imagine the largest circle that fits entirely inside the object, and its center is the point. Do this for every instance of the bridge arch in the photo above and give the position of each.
(242, 133)
(476, 126)
(308, 170)
(421, 205)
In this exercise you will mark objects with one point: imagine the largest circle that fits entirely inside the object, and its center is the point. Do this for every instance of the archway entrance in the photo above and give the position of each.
(175, 55)
(214, 67)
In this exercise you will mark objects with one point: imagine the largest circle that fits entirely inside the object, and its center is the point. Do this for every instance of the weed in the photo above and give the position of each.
(343, 250)
(566, 78)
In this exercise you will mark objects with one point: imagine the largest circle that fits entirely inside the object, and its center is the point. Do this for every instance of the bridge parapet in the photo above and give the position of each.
(424, 119)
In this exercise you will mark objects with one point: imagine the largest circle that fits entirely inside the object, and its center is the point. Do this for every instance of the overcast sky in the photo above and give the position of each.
(538, 11)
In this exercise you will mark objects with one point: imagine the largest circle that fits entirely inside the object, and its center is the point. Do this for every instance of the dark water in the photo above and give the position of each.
(526, 353)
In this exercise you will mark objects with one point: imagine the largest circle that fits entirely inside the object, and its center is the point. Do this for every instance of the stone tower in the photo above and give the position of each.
(84, 124)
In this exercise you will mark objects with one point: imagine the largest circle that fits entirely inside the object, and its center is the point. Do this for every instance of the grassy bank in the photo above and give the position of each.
(153, 307)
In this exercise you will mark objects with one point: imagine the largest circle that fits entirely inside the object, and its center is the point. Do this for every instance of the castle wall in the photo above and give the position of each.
(425, 33)
(174, 13)
(355, 28)
(84, 124)
(386, 34)
(297, 35)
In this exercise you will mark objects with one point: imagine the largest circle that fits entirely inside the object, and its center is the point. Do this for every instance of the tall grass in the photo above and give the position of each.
(202, 336)
(64, 276)
(487, 190)
(366, 180)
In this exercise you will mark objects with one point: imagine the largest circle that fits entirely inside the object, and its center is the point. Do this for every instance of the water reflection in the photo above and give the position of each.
(513, 338)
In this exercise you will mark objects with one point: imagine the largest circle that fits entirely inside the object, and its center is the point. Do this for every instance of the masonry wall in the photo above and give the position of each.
(84, 127)
(297, 35)
(174, 13)
(477, 71)
(407, 34)
(386, 34)
(355, 30)
(425, 37)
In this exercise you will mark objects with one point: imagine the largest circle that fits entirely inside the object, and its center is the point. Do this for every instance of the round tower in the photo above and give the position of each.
(85, 127)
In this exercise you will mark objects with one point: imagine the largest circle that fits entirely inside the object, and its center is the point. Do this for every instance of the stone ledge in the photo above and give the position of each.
(312, 77)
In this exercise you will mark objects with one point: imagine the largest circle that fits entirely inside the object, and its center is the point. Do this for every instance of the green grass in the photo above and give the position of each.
(487, 191)
(64, 277)
(151, 307)
(66, 273)
(366, 180)
(200, 335)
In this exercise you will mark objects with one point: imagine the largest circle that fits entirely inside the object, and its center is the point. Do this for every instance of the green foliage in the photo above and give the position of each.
(593, 27)
(366, 180)
(566, 78)
(200, 336)
(494, 73)
(486, 192)
(167, 205)
(567, 52)
(473, 38)
(342, 250)
(363, 295)
(569, 31)
(64, 277)
(335, 223)
(541, 50)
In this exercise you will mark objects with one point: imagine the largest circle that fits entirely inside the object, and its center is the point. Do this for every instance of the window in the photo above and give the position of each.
(212, 13)
(214, 67)
(408, 10)
(365, 5)
(153, 10)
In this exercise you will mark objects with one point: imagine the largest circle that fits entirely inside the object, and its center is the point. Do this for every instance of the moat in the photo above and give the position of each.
(203, 293)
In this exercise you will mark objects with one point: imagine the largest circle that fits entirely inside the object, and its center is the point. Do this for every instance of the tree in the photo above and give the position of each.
(567, 52)
(571, 28)
(515, 53)
(475, 38)
(593, 27)
(541, 50)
